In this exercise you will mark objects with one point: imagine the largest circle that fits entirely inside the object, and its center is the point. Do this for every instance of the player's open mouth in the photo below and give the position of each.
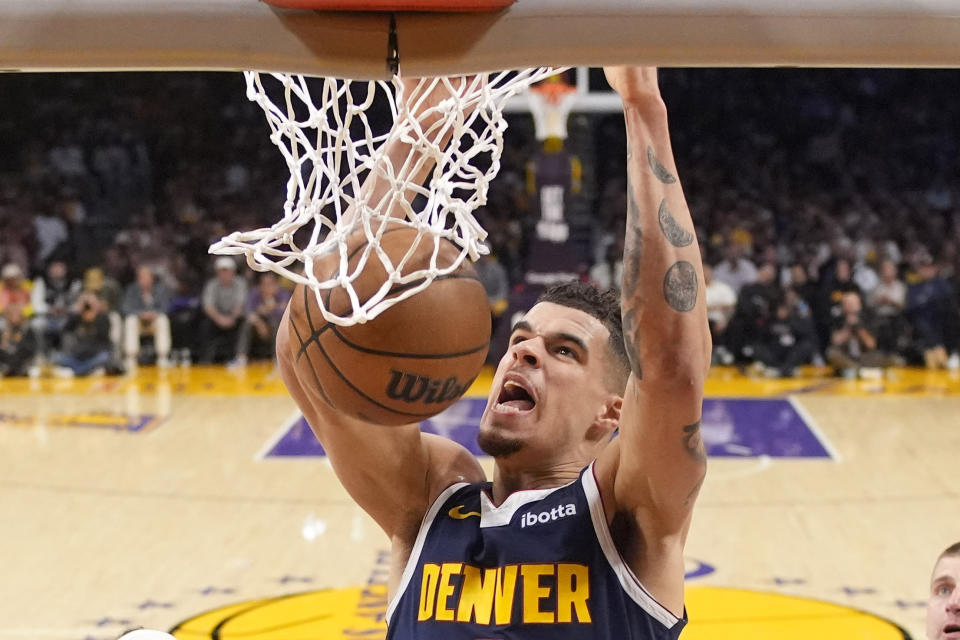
(514, 398)
(952, 631)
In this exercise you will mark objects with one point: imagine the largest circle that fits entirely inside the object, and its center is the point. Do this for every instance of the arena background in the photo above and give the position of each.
(193, 497)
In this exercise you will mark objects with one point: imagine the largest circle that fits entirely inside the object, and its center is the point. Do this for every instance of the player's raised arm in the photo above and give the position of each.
(661, 459)
(665, 328)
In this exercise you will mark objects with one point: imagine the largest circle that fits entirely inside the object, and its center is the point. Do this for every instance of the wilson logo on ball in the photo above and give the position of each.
(412, 387)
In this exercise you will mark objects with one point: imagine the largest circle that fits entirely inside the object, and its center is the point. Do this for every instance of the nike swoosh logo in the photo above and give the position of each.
(460, 515)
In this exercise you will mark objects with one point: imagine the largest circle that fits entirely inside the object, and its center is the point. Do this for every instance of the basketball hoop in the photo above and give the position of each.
(550, 103)
(327, 130)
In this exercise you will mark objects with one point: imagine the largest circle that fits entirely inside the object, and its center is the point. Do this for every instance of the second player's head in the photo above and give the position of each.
(943, 607)
(557, 392)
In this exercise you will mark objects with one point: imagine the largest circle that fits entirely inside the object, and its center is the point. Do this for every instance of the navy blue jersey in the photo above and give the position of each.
(541, 565)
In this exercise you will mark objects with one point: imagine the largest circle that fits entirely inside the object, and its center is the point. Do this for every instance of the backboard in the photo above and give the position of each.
(248, 34)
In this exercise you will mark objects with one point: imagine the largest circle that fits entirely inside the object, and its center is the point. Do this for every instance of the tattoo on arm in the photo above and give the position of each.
(680, 286)
(631, 341)
(677, 235)
(693, 443)
(661, 172)
(633, 249)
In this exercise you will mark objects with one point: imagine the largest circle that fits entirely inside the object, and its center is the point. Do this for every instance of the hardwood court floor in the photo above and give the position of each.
(149, 500)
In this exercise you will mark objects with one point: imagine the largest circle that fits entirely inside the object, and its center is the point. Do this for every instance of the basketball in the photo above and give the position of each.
(414, 359)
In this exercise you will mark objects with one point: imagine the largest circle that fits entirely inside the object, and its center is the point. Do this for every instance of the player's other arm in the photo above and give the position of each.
(659, 462)
(393, 473)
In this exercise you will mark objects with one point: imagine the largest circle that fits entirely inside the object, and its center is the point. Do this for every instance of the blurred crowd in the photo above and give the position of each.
(112, 188)
(829, 209)
(826, 203)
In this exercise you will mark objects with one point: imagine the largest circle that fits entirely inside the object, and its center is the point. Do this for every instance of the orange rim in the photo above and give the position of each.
(553, 89)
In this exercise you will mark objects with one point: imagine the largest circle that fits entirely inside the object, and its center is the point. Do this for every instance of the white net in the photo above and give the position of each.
(365, 156)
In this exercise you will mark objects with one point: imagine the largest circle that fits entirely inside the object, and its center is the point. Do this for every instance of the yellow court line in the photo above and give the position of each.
(716, 613)
(263, 379)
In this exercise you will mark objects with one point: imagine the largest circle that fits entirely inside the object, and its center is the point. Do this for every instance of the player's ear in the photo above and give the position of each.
(607, 420)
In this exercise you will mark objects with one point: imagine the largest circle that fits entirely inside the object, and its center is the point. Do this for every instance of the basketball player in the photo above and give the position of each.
(579, 534)
(943, 608)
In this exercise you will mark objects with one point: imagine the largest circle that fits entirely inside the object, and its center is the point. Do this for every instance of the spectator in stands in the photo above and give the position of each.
(495, 282)
(184, 310)
(13, 249)
(53, 295)
(853, 342)
(865, 277)
(223, 303)
(801, 283)
(15, 289)
(943, 607)
(889, 296)
(18, 343)
(145, 304)
(66, 159)
(789, 340)
(721, 303)
(887, 301)
(756, 303)
(608, 273)
(930, 309)
(830, 308)
(735, 270)
(87, 345)
(258, 332)
(51, 232)
(107, 289)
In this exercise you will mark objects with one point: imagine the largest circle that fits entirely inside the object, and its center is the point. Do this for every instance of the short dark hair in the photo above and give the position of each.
(604, 305)
(952, 550)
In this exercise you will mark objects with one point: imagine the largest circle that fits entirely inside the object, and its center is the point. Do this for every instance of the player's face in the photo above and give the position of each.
(550, 386)
(943, 608)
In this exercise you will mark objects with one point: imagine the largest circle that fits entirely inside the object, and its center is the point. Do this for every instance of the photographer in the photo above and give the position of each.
(853, 342)
(18, 343)
(789, 340)
(87, 345)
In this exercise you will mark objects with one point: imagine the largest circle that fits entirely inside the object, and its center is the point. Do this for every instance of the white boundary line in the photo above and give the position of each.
(814, 428)
(763, 462)
(276, 437)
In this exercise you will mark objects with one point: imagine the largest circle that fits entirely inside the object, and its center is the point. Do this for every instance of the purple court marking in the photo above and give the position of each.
(731, 427)
(747, 427)
(106, 621)
(697, 569)
(151, 604)
(787, 581)
(130, 423)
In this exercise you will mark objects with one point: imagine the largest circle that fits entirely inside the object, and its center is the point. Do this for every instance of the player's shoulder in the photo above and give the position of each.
(449, 463)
